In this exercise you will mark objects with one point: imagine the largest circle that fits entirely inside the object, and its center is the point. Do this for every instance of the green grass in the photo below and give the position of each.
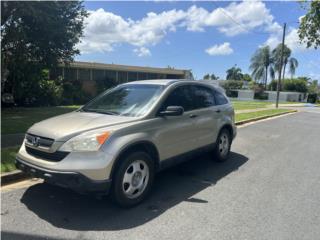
(246, 116)
(7, 159)
(18, 120)
(242, 105)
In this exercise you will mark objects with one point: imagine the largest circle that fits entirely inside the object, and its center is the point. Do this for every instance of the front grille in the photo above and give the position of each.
(53, 157)
(39, 141)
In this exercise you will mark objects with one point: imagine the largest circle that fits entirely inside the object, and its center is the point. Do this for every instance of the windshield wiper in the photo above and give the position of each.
(99, 111)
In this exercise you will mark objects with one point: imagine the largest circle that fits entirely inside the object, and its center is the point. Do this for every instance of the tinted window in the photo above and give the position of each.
(203, 97)
(220, 98)
(180, 96)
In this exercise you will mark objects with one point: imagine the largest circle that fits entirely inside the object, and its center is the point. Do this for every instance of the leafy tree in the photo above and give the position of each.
(232, 84)
(210, 77)
(246, 77)
(291, 85)
(287, 59)
(206, 77)
(234, 73)
(214, 77)
(309, 29)
(35, 36)
(261, 64)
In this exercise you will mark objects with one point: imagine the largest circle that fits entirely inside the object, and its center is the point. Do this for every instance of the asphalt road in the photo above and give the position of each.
(268, 189)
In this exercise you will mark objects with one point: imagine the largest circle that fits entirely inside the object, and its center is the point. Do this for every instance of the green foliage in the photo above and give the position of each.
(310, 24)
(246, 77)
(232, 84)
(206, 77)
(35, 36)
(291, 85)
(210, 77)
(313, 91)
(287, 59)
(234, 73)
(261, 63)
(8, 156)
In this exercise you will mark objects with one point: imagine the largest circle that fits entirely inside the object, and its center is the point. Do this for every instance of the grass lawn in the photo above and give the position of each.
(7, 159)
(245, 116)
(242, 105)
(18, 120)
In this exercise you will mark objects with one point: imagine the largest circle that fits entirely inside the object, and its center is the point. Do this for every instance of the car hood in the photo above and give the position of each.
(63, 127)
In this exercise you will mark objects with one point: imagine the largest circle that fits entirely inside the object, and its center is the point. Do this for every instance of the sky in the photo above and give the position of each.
(206, 37)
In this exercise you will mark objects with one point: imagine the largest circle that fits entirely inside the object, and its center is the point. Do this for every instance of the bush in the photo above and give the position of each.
(232, 93)
(232, 84)
(290, 85)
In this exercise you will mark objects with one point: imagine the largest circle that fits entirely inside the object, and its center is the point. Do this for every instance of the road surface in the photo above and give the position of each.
(268, 189)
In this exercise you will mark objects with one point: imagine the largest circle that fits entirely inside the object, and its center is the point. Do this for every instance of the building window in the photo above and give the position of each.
(98, 75)
(132, 76)
(122, 77)
(84, 74)
(142, 76)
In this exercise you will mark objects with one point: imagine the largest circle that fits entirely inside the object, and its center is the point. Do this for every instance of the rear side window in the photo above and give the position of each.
(203, 97)
(220, 98)
(181, 96)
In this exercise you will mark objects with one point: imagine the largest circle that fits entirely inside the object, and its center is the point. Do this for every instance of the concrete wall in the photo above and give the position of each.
(248, 95)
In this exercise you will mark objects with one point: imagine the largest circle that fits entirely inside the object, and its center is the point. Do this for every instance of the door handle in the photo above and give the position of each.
(218, 111)
(193, 116)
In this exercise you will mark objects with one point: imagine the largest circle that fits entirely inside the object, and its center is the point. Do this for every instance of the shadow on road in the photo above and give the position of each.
(68, 210)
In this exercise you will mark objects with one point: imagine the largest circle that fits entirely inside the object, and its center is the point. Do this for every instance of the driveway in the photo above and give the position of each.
(268, 189)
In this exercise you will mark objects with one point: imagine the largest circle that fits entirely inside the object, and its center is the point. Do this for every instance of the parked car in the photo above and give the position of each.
(118, 141)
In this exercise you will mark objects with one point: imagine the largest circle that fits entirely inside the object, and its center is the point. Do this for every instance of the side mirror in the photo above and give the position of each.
(172, 111)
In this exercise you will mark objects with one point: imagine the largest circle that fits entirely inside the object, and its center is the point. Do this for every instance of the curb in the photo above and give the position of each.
(12, 177)
(264, 117)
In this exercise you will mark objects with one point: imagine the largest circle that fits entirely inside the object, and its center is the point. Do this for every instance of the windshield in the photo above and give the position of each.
(127, 100)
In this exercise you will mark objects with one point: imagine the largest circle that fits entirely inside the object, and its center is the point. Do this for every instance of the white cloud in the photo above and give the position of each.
(105, 30)
(291, 40)
(222, 49)
(142, 52)
(234, 19)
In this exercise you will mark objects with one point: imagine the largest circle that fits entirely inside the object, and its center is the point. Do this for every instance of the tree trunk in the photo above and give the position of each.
(284, 70)
(266, 78)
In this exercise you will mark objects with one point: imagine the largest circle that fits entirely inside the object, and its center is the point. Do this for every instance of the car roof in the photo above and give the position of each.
(158, 81)
(167, 82)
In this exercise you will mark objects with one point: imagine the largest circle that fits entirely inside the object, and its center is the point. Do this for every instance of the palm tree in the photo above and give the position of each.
(234, 73)
(261, 64)
(293, 64)
(276, 55)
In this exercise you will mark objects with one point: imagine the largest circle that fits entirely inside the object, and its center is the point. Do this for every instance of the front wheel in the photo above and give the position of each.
(133, 179)
(223, 144)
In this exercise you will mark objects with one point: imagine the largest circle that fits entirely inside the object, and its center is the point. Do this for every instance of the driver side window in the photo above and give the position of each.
(181, 96)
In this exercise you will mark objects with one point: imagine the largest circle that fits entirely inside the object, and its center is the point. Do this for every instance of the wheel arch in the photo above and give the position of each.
(144, 146)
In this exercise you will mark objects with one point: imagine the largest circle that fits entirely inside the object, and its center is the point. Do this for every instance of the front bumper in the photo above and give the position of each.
(72, 180)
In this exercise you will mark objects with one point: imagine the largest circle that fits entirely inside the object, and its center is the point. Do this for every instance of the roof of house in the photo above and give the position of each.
(117, 67)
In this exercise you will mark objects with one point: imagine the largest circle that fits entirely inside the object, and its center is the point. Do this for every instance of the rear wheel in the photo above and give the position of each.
(133, 179)
(223, 144)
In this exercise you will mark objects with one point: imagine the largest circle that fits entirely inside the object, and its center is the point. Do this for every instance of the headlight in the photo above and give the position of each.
(86, 142)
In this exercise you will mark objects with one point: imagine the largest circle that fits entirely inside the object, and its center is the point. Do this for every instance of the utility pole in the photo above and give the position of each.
(281, 63)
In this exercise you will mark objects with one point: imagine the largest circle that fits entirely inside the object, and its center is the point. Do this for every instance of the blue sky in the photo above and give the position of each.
(207, 37)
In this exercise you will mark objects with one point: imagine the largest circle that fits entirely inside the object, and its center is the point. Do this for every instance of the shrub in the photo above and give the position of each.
(290, 85)
(232, 84)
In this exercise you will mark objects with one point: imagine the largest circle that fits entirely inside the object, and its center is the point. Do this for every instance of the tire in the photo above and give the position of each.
(223, 145)
(133, 179)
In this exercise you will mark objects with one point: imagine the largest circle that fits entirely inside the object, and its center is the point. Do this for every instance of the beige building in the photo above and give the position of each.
(91, 74)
